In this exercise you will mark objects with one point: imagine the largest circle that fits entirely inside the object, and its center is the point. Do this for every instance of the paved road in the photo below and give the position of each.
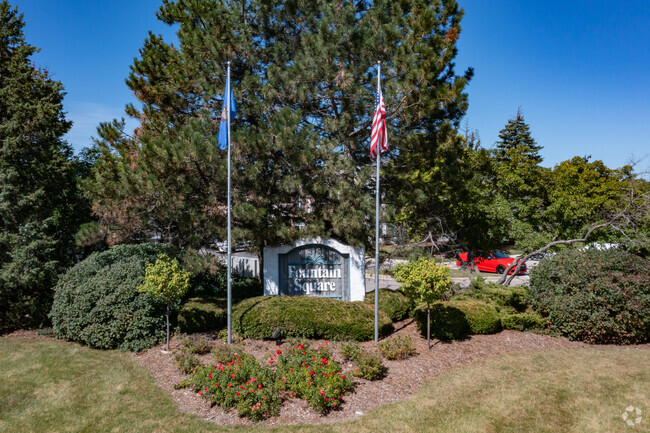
(388, 282)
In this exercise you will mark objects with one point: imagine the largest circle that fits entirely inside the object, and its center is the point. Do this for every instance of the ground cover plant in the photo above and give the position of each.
(224, 353)
(45, 387)
(307, 317)
(97, 301)
(400, 347)
(594, 296)
(368, 365)
(257, 390)
(196, 344)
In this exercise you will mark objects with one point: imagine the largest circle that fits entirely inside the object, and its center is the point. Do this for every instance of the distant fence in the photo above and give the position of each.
(243, 266)
(246, 266)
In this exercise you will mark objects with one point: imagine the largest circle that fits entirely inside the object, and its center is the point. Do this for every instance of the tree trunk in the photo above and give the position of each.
(428, 326)
(167, 315)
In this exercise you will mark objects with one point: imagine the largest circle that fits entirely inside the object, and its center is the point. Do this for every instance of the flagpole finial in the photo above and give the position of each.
(228, 63)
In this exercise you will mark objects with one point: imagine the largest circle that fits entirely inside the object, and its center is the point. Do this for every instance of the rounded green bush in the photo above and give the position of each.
(513, 299)
(307, 317)
(97, 302)
(202, 315)
(522, 321)
(392, 302)
(594, 296)
(456, 319)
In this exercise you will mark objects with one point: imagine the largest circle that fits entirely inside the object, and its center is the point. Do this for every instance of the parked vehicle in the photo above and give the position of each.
(495, 261)
(544, 255)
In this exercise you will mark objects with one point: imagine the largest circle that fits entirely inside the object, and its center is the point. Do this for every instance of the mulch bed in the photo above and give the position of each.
(403, 377)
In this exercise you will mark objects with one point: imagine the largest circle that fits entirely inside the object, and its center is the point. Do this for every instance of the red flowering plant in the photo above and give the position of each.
(313, 374)
(241, 383)
(256, 391)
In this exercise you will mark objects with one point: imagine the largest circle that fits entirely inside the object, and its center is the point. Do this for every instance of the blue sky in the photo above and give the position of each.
(579, 70)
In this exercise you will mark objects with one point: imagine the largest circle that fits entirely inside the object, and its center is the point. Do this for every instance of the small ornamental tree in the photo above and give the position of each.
(165, 279)
(423, 281)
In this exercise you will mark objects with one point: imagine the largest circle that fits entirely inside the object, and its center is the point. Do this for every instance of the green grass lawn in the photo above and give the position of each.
(55, 386)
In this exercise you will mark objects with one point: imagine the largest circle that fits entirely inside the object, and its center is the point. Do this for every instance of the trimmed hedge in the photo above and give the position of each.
(97, 302)
(458, 318)
(509, 300)
(307, 317)
(392, 302)
(523, 321)
(202, 315)
(594, 296)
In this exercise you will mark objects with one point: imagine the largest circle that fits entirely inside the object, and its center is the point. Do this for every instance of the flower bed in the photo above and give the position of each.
(257, 390)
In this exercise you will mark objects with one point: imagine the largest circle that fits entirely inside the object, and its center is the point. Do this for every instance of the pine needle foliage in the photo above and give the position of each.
(304, 78)
(38, 192)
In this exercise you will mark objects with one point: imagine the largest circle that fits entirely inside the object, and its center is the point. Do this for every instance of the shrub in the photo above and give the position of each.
(511, 299)
(224, 353)
(350, 350)
(522, 321)
(307, 317)
(397, 348)
(312, 374)
(234, 337)
(392, 302)
(202, 315)
(187, 361)
(97, 302)
(256, 391)
(198, 345)
(594, 296)
(447, 322)
(369, 366)
(458, 318)
(243, 384)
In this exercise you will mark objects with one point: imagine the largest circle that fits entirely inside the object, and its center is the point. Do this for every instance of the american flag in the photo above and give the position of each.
(379, 136)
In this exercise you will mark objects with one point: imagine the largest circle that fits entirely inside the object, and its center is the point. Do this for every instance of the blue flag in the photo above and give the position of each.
(223, 126)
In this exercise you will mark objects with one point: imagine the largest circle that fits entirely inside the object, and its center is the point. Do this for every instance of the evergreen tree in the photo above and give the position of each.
(521, 181)
(304, 77)
(38, 195)
(516, 144)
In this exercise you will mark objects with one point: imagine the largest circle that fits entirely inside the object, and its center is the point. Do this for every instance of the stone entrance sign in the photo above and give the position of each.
(315, 267)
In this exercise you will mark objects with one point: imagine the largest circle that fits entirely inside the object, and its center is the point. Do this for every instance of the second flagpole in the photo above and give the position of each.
(229, 265)
(378, 155)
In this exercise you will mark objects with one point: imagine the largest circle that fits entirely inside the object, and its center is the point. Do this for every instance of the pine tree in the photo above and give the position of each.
(516, 143)
(521, 181)
(38, 195)
(304, 78)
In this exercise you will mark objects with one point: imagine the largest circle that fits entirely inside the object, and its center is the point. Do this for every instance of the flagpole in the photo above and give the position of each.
(227, 95)
(378, 156)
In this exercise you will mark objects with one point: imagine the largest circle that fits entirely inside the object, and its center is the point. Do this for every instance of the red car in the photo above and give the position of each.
(495, 261)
